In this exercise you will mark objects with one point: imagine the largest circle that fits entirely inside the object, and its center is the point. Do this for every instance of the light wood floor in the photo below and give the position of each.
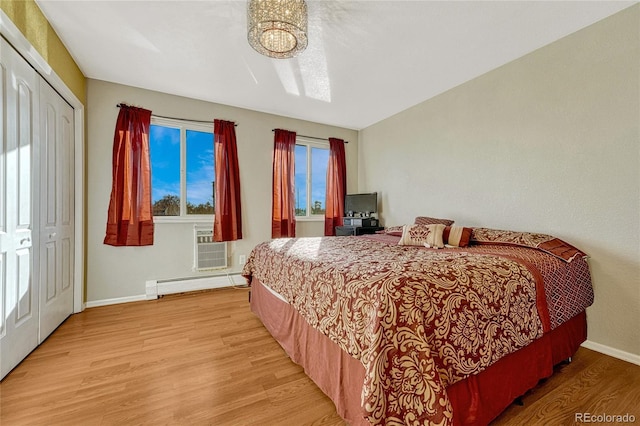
(204, 358)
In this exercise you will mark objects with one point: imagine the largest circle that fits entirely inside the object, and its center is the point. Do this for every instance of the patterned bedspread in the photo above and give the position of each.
(418, 319)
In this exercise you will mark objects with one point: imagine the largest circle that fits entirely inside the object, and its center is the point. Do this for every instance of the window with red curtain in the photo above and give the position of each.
(130, 219)
(336, 186)
(283, 215)
(227, 223)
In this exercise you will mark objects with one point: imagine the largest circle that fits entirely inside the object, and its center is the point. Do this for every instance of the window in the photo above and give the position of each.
(311, 178)
(182, 169)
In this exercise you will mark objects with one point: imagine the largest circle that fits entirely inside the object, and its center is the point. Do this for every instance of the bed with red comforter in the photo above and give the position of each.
(412, 335)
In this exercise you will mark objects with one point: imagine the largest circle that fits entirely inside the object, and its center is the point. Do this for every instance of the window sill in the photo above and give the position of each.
(184, 219)
(309, 218)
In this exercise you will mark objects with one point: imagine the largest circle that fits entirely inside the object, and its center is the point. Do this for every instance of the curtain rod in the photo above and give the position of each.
(178, 118)
(311, 137)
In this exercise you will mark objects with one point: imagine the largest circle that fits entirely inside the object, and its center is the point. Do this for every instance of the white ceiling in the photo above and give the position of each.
(366, 60)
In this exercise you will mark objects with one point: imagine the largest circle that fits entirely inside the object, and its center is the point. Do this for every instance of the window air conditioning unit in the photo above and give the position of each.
(208, 254)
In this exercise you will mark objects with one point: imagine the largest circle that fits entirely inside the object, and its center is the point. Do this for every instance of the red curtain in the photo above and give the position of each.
(283, 215)
(227, 224)
(130, 218)
(336, 186)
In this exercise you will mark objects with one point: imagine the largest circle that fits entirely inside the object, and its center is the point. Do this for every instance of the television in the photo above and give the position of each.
(360, 204)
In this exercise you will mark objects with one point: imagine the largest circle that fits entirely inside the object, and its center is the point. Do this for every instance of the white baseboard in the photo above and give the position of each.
(155, 288)
(117, 300)
(616, 353)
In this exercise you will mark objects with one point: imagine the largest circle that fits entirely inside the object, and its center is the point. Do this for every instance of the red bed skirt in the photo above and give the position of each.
(476, 400)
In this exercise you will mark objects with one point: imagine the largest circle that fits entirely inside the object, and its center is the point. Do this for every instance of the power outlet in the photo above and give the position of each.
(242, 259)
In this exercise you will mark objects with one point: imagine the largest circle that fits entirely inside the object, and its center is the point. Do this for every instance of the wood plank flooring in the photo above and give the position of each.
(205, 359)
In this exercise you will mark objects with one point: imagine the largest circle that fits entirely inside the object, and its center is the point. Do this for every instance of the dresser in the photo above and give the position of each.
(357, 230)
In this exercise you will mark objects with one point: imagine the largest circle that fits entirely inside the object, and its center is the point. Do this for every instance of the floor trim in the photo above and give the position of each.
(616, 353)
(115, 301)
(155, 288)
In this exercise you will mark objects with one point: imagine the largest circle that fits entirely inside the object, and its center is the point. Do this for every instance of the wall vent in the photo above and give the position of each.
(208, 254)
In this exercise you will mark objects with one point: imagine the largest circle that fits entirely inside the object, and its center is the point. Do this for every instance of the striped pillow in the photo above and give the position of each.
(456, 236)
(425, 220)
(394, 230)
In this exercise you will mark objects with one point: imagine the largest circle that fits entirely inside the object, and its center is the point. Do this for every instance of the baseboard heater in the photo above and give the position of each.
(155, 288)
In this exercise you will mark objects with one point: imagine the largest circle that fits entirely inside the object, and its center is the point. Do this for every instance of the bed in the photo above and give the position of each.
(414, 335)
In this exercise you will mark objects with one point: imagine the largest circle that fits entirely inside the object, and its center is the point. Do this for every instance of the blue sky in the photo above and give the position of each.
(200, 168)
(165, 161)
(164, 148)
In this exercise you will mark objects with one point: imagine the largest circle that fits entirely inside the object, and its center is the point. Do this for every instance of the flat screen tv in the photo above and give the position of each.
(361, 203)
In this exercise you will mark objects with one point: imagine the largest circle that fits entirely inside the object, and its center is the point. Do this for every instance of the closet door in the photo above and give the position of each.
(56, 210)
(19, 316)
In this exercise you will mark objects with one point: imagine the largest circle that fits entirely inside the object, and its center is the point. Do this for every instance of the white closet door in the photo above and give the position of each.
(19, 294)
(56, 210)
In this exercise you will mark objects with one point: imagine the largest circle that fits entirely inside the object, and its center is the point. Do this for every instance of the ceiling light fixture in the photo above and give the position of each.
(277, 28)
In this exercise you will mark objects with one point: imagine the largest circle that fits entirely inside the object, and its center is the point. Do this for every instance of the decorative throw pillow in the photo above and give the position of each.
(423, 235)
(394, 230)
(544, 242)
(457, 236)
(425, 220)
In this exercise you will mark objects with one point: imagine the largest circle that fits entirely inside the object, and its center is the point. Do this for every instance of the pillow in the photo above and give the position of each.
(544, 242)
(457, 236)
(422, 235)
(393, 230)
(424, 220)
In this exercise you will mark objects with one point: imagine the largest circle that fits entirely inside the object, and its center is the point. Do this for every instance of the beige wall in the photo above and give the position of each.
(26, 15)
(548, 143)
(115, 272)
